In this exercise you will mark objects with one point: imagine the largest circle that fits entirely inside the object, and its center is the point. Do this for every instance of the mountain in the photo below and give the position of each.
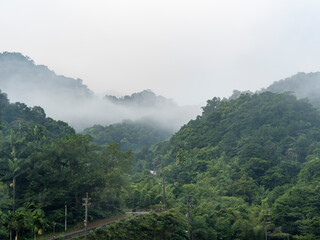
(130, 135)
(36, 85)
(245, 165)
(19, 117)
(34, 82)
(303, 85)
(151, 109)
(68, 99)
(143, 99)
(243, 162)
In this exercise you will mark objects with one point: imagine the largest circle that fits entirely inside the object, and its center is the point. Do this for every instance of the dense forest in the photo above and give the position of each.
(250, 164)
(130, 135)
(45, 165)
(153, 226)
(247, 167)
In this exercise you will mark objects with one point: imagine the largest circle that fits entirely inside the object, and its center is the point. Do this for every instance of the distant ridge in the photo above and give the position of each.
(68, 99)
(145, 98)
(303, 85)
(20, 72)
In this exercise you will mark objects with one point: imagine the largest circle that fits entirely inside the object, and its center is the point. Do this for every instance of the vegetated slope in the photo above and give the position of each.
(22, 79)
(130, 135)
(303, 85)
(36, 85)
(146, 106)
(69, 100)
(44, 166)
(18, 116)
(152, 226)
(146, 98)
(241, 159)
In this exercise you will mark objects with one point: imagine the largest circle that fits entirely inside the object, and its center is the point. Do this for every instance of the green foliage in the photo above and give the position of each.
(145, 192)
(130, 135)
(241, 157)
(4, 205)
(44, 166)
(153, 226)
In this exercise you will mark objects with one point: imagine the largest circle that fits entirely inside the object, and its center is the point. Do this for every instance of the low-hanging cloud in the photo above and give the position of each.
(69, 100)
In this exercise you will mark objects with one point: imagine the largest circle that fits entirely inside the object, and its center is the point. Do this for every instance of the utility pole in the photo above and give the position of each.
(54, 228)
(267, 217)
(163, 189)
(65, 217)
(189, 197)
(86, 204)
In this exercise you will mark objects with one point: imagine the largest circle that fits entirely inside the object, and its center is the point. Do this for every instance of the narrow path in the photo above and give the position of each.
(82, 232)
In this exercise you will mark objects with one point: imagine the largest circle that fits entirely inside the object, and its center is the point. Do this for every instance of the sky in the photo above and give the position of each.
(190, 51)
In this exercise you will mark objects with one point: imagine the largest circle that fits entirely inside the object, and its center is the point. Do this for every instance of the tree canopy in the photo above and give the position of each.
(242, 159)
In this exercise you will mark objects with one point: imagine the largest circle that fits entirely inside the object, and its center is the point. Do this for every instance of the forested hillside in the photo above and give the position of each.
(130, 135)
(44, 166)
(153, 226)
(146, 98)
(245, 165)
(22, 79)
(245, 162)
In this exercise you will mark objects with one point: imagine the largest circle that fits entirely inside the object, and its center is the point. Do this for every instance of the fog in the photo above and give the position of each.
(67, 99)
(303, 85)
(184, 49)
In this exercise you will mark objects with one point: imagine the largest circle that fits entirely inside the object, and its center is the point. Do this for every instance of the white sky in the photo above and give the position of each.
(187, 50)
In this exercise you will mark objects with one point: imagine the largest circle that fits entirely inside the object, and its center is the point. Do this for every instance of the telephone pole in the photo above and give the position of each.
(189, 199)
(267, 217)
(65, 217)
(86, 204)
(54, 228)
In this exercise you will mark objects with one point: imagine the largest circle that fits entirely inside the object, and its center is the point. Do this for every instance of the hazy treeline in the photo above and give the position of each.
(303, 85)
(130, 135)
(69, 100)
